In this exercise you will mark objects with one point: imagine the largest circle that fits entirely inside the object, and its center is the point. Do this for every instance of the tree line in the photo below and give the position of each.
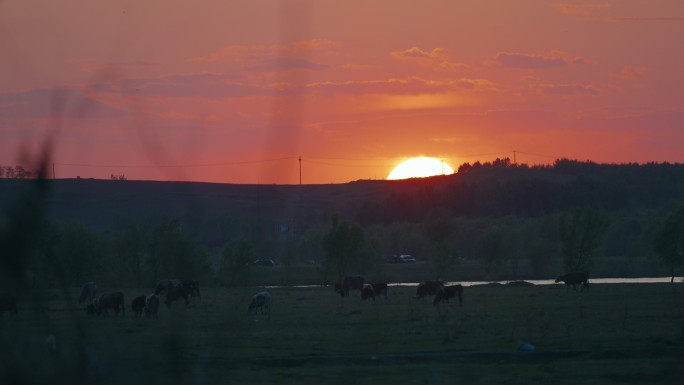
(502, 241)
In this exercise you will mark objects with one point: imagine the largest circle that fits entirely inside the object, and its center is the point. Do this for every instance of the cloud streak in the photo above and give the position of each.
(436, 58)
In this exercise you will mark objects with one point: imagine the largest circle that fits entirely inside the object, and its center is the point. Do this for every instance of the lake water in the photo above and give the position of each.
(552, 281)
(535, 282)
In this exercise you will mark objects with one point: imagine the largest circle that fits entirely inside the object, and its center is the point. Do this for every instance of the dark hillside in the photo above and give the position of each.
(482, 190)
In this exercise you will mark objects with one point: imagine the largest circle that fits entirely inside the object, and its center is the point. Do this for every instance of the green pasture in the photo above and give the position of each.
(612, 334)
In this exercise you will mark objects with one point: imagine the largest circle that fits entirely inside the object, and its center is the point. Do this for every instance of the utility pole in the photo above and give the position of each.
(442, 166)
(53, 170)
(300, 169)
(514, 151)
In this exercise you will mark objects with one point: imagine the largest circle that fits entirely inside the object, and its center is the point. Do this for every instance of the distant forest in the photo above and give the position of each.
(502, 188)
(493, 220)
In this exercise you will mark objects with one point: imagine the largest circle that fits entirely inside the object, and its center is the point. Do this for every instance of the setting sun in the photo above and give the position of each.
(419, 168)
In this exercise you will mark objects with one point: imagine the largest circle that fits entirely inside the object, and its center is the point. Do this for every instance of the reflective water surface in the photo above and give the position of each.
(534, 281)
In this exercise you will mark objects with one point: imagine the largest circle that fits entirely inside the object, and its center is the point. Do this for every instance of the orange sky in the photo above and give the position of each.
(236, 91)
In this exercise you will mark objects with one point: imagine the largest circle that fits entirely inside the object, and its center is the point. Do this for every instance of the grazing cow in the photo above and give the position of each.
(138, 305)
(165, 284)
(88, 293)
(193, 288)
(175, 293)
(428, 288)
(371, 290)
(8, 304)
(575, 278)
(354, 282)
(151, 306)
(104, 302)
(260, 300)
(447, 292)
(367, 292)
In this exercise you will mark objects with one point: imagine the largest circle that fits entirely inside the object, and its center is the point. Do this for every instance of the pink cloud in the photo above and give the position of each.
(437, 58)
(521, 60)
(629, 73)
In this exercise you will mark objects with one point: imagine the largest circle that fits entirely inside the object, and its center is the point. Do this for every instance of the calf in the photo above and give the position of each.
(261, 300)
(428, 288)
(151, 306)
(575, 278)
(370, 290)
(8, 304)
(138, 305)
(447, 292)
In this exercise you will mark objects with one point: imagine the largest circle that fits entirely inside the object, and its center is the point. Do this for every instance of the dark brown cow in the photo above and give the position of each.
(354, 282)
(175, 293)
(447, 292)
(104, 302)
(138, 305)
(371, 290)
(8, 304)
(575, 278)
(428, 288)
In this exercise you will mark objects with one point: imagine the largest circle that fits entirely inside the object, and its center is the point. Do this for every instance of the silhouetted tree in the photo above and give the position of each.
(236, 264)
(129, 248)
(491, 249)
(438, 228)
(669, 241)
(17, 172)
(581, 232)
(80, 254)
(174, 254)
(343, 245)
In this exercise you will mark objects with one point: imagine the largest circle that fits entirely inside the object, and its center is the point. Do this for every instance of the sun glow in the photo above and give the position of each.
(420, 167)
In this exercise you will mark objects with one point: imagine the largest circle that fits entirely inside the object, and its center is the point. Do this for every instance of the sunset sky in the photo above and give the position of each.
(236, 91)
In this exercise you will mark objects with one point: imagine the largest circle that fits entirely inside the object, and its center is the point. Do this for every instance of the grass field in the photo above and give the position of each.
(612, 334)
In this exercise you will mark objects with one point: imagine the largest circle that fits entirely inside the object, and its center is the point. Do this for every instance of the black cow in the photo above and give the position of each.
(8, 304)
(175, 293)
(575, 278)
(447, 292)
(151, 306)
(428, 288)
(138, 305)
(371, 290)
(88, 293)
(260, 300)
(104, 302)
(165, 284)
(354, 282)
